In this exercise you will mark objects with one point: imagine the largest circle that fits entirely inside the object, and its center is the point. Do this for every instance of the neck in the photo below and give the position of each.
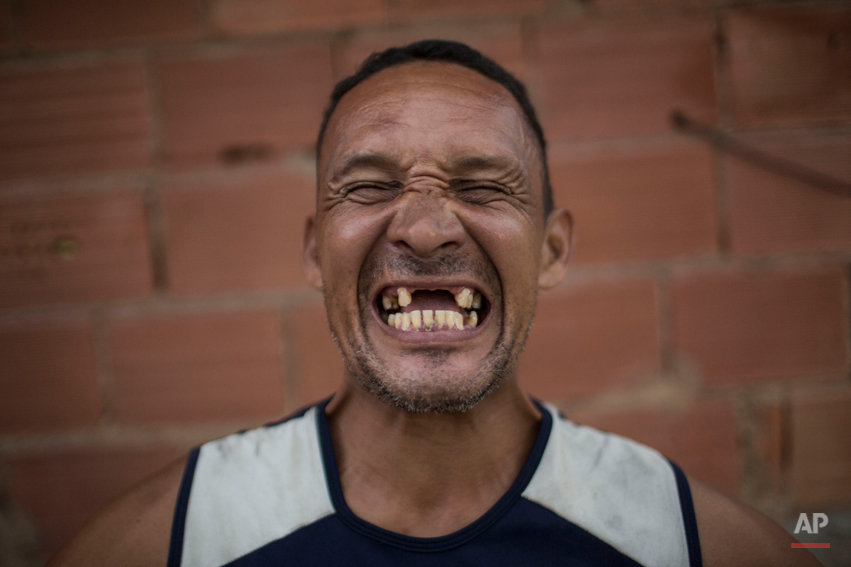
(429, 474)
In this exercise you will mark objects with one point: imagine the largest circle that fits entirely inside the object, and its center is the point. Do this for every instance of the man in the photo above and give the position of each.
(434, 230)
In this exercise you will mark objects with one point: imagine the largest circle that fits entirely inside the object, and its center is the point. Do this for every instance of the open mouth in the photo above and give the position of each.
(432, 310)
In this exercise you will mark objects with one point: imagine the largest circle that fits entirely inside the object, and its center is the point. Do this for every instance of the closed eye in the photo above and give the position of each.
(370, 193)
(480, 194)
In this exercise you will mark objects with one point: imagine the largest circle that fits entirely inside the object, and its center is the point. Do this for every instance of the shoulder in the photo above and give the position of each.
(734, 534)
(246, 473)
(624, 479)
(134, 531)
(252, 488)
(621, 492)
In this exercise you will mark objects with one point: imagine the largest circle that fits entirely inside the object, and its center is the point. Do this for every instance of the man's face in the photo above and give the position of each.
(428, 235)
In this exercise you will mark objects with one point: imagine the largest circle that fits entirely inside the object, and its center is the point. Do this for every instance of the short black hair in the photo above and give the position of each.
(447, 52)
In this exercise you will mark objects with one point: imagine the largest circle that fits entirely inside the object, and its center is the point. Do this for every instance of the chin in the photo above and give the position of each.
(439, 389)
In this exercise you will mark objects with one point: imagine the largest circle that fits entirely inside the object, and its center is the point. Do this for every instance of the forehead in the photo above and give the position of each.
(426, 109)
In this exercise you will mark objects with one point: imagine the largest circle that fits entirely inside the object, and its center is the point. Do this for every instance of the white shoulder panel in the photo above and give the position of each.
(619, 491)
(253, 488)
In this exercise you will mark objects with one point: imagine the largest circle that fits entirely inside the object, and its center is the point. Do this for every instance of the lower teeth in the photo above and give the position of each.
(432, 320)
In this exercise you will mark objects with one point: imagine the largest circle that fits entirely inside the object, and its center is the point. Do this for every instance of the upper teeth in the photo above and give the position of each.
(432, 319)
(465, 298)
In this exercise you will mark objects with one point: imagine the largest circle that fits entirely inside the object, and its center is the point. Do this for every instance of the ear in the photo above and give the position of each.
(555, 250)
(309, 258)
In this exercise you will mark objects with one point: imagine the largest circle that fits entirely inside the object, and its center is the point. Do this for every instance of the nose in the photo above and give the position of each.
(425, 225)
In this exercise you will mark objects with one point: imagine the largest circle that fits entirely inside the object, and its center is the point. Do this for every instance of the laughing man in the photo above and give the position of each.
(434, 230)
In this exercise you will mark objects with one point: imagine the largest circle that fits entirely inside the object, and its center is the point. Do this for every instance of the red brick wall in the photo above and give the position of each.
(156, 168)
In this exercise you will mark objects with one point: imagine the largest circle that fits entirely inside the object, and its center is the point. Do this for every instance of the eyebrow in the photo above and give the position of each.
(479, 163)
(456, 166)
(363, 160)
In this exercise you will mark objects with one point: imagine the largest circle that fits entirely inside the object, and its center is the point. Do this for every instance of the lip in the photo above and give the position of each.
(447, 337)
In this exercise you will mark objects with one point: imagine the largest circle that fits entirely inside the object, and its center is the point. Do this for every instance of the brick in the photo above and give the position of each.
(320, 364)
(67, 248)
(427, 9)
(773, 213)
(73, 120)
(790, 65)
(701, 439)
(63, 490)
(236, 234)
(56, 24)
(751, 327)
(769, 438)
(821, 454)
(49, 377)
(183, 368)
(502, 43)
(265, 16)
(591, 339)
(229, 109)
(651, 6)
(609, 79)
(638, 205)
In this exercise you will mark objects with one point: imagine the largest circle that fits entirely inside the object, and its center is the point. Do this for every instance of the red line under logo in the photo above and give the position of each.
(810, 545)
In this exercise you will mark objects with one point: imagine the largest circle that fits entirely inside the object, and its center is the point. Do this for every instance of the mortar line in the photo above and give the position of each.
(786, 443)
(721, 70)
(847, 306)
(665, 321)
(748, 465)
(723, 94)
(289, 357)
(153, 193)
(723, 224)
(104, 366)
(530, 55)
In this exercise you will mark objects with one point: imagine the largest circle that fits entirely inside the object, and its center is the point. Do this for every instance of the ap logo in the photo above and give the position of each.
(819, 521)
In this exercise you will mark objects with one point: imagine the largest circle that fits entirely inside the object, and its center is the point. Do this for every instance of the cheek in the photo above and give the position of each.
(344, 242)
(513, 245)
(510, 242)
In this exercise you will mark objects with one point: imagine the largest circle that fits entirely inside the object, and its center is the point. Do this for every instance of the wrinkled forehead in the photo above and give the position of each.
(426, 109)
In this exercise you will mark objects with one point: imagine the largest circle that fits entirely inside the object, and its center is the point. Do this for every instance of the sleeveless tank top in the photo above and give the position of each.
(272, 496)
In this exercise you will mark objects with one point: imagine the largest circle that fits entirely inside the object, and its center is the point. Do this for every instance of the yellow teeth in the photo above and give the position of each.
(461, 298)
(440, 318)
(432, 320)
(472, 320)
(428, 319)
(465, 298)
